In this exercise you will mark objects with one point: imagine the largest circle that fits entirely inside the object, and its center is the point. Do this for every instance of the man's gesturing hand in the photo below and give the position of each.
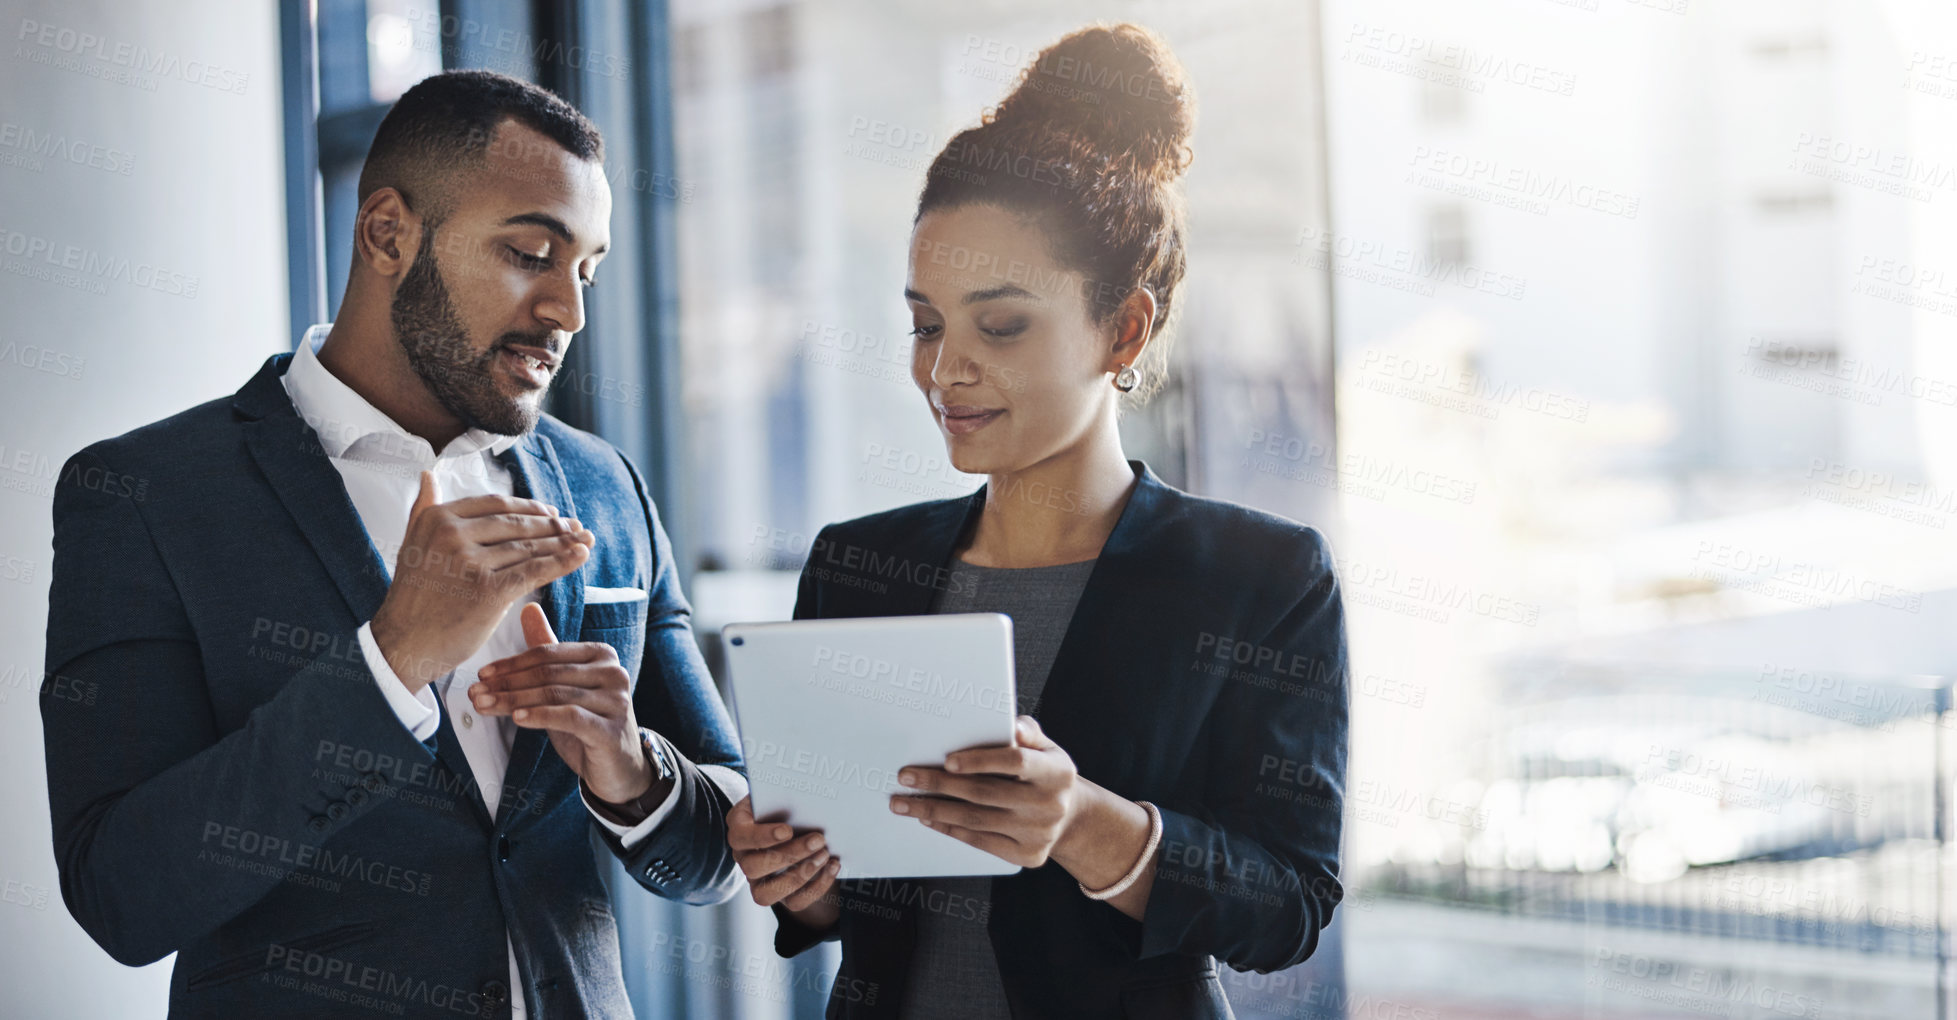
(578, 693)
(461, 566)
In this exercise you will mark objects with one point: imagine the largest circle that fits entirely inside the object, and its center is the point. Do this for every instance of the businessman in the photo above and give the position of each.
(382, 654)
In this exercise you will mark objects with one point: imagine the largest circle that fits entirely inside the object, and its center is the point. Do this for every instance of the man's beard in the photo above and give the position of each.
(440, 352)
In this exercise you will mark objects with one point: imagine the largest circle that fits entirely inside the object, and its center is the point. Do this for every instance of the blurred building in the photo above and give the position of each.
(1654, 289)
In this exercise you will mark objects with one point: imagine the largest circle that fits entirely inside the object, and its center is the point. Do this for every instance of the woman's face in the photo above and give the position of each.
(1003, 349)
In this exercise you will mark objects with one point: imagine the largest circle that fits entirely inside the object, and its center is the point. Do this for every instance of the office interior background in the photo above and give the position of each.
(1612, 342)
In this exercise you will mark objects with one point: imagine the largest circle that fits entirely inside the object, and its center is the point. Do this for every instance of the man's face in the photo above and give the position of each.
(487, 310)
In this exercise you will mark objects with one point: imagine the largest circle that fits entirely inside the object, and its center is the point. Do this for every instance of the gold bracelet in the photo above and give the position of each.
(1154, 838)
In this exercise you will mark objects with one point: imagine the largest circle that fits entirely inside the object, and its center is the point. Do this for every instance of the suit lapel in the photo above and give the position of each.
(1121, 565)
(1068, 706)
(930, 547)
(1067, 709)
(288, 452)
(1069, 694)
(448, 748)
(538, 475)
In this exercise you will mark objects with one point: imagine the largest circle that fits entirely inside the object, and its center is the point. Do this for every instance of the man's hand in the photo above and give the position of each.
(581, 696)
(461, 566)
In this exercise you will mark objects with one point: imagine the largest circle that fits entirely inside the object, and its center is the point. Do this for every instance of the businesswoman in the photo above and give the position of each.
(1174, 795)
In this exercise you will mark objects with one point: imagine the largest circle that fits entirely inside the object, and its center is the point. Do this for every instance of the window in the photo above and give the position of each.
(1447, 235)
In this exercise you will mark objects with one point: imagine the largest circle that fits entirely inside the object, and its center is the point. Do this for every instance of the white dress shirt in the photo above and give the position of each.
(381, 464)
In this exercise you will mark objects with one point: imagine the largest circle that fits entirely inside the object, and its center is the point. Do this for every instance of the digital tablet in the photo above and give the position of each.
(829, 710)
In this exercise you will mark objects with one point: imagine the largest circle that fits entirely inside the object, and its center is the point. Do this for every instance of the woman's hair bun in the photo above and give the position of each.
(1116, 88)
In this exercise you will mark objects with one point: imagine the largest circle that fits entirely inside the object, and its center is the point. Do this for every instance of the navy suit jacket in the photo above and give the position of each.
(228, 783)
(1204, 670)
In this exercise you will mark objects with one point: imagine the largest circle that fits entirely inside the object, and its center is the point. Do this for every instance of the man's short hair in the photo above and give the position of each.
(445, 123)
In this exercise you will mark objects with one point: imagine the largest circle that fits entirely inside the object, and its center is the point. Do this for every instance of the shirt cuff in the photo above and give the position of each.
(628, 836)
(417, 711)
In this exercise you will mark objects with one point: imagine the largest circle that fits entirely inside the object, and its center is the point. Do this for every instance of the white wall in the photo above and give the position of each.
(129, 289)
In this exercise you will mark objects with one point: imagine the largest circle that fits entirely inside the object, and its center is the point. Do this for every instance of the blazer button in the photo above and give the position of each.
(356, 796)
(373, 782)
(496, 992)
(318, 824)
(337, 810)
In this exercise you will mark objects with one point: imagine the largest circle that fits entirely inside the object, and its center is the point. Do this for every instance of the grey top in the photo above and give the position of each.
(954, 975)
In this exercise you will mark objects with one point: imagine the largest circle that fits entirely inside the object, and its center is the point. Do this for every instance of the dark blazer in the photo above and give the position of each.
(1204, 670)
(228, 783)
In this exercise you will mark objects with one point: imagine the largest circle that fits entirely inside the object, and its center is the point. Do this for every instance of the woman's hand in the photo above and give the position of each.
(796, 871)
(1014, 803)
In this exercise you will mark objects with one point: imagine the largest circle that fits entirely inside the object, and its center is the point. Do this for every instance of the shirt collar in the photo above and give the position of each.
(345, 421)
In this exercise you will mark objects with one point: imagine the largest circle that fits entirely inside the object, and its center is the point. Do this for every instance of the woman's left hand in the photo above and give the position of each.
(1014, 803)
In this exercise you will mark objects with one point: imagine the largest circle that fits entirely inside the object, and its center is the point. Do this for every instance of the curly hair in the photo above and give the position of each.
(1091, 146)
